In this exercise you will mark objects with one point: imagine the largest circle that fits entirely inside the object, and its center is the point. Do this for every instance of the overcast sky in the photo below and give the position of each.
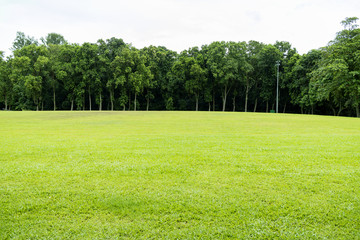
(178, 24)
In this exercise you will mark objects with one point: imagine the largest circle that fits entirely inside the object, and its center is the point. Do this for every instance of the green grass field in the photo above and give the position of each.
(178, 175)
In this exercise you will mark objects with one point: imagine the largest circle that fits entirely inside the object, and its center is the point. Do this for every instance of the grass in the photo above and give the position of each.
(178, 175)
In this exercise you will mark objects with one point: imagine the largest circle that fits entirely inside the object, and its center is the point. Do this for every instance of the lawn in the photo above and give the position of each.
(178, 175)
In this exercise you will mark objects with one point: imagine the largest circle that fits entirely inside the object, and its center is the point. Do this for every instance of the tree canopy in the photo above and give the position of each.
(53, 74)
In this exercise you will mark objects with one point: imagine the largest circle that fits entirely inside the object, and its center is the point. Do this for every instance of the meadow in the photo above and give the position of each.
(178, 175)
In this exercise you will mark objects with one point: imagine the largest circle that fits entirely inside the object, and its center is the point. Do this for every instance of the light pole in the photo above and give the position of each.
(277, 87)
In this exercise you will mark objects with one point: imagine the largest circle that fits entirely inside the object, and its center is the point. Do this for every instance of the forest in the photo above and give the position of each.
(53, 74)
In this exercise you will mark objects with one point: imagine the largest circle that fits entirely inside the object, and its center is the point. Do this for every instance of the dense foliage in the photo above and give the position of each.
(238, 76)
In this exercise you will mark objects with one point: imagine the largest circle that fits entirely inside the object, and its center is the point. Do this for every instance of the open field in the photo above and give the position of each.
(187, 175)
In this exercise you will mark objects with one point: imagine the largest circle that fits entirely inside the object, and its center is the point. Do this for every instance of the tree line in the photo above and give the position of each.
(52, 74)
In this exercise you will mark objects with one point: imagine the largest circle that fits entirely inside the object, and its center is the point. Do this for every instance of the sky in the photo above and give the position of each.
(178, 24)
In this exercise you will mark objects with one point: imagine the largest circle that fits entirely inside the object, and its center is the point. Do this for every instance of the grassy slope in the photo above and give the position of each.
(178, 175)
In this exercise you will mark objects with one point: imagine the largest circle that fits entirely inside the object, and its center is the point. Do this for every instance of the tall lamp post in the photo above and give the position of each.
(277, 87)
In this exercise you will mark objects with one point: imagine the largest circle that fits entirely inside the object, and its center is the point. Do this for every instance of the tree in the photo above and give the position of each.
(242, 70)
(211, 87)
(6, 86)
(224, 66)
(53, 38)
(155, 58)
(349, 24)
(34, 81)
(198, 77)
(122, 67)
(88, 67)
(69, 77)
(298, 78)
(108, 50)
(52, 42)
(56, 72)
(189, 70)
(33, 85)
(21, 41)
(19, 69)
(29, 73)
(58, 75)
(254, 76)
(287, 52)
(139, 75)
(168, 87)
(268, 57)
(42, 70)
(339, 70)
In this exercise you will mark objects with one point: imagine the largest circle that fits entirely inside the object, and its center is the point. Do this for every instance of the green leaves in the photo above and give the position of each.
(33, 87)
(337, 76)
(54, 39)
(113, 73)
(129, 68)
(21, 41)
(350, 23)
(228, 65)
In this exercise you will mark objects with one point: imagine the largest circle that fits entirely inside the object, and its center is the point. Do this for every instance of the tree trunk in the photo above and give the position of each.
(135, 102)
(6, 103)
(284, 108)
(246, 96)
(147, 103)
(112, 100)
(234, 103)
(267, 106)
(100, 101)
(256, 100)
(333, 109)
(340, 110)
(83, 102)
(357, 111)
(129, 101)
(209, 107)
(89, 99)
(312, 110)
(226, 91)
(197, 102)
(54, 96)
(224, 103)
(213, 102)
(72, 104)
(124, 107)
